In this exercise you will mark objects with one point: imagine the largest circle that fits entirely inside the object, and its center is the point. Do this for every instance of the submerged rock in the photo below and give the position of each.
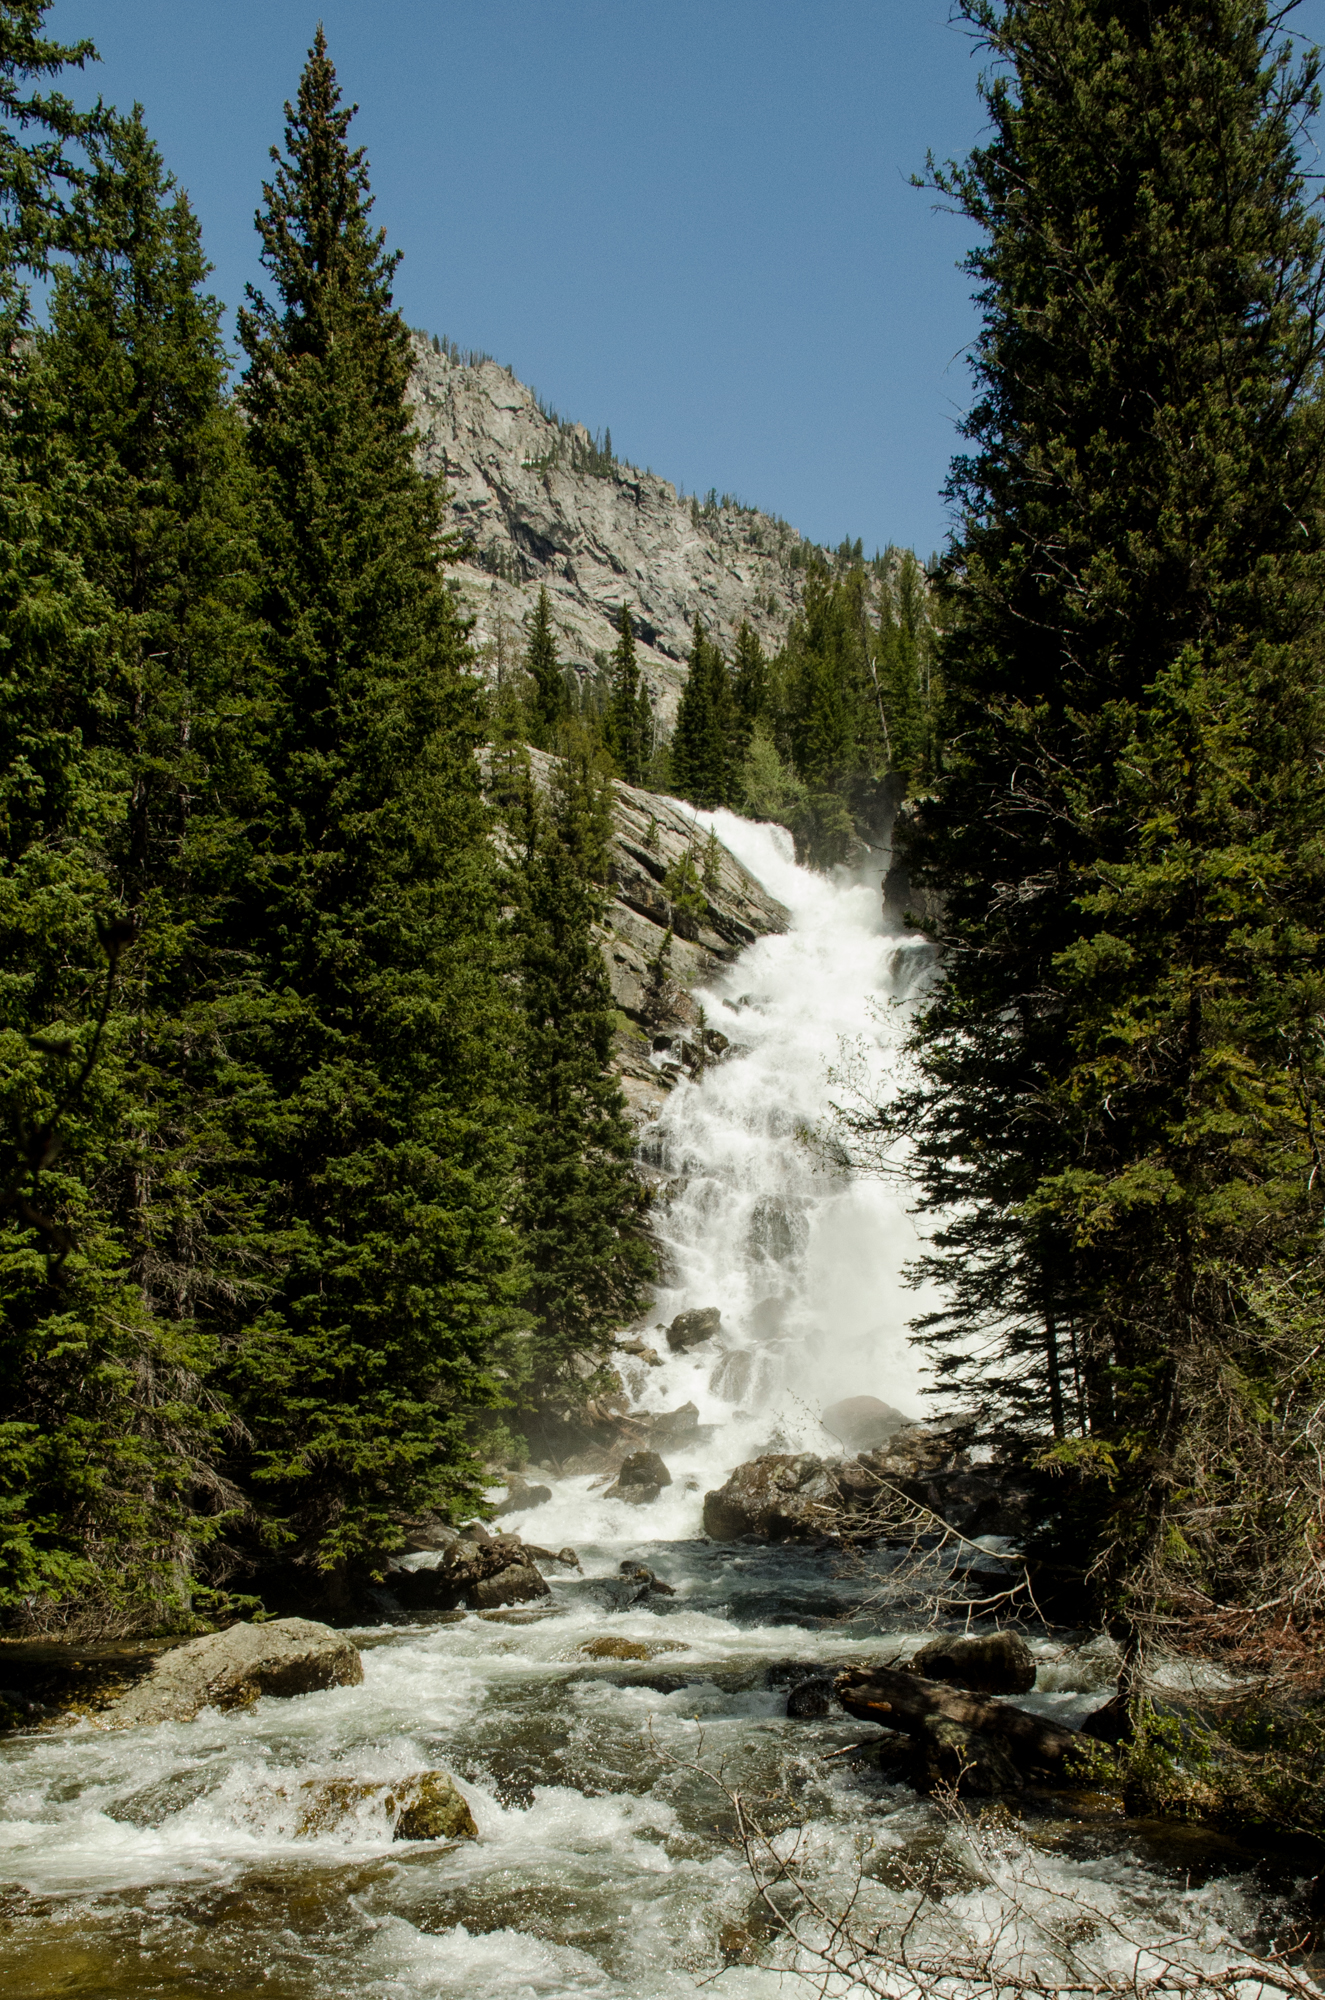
(426, 1806)
(999, 1663)
(433, 1808)
(231, 1669)
(812, 1698)
(692, 1329)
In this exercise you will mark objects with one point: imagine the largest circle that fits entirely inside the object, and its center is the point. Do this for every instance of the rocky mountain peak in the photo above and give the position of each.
(542, 503)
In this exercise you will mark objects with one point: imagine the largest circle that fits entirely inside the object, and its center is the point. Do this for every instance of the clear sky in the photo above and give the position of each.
(689, 220)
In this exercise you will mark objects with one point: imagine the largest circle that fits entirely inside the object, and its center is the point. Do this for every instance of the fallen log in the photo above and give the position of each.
(896, 1699)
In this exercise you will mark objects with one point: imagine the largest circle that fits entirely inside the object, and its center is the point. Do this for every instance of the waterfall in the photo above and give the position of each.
(803, 1258)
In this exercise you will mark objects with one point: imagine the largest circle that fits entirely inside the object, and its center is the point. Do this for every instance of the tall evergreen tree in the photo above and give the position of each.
(382, 1139)
(90, 1510)
(702, 747)
(1122, 1081)
(549, 697)
(629, 724)
(581, 1207)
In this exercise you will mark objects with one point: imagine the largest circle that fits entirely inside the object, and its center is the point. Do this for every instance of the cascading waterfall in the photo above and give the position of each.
(803, 1259)
(181, 1859)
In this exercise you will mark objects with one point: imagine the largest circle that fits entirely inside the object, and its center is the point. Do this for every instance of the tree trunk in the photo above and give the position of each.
(899, 1700)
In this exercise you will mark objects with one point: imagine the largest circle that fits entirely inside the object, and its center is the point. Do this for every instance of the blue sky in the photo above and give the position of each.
(689, 220)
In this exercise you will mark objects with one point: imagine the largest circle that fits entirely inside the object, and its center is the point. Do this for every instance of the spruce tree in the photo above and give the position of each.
(549, 697)
(1121, 1086)
(382, 1138)
(629, 722)
(702, 760)
(581, 1208)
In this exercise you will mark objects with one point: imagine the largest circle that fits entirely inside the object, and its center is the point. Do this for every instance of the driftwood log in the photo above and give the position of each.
(896, 1699)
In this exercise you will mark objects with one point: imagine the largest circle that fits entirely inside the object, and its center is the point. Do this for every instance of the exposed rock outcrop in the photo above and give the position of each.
(800, 1497)
(538, 507)
(231, 1669)
(473, 1574)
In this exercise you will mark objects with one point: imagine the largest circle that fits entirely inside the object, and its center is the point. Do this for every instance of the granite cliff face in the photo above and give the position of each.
(660, 1036)
(539, 506)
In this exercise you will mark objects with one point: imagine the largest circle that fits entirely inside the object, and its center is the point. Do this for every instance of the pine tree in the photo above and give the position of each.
(90, 1506)
(702, 765)
(750, 691)
(133, 367)
(629, 722)
(581, 1208)
(382, 1140)
(1121, 1082)
(549, 697)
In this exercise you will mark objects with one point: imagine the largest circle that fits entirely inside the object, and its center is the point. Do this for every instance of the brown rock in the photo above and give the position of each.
(432, 1808)
(999, 1663)
(781, 1498)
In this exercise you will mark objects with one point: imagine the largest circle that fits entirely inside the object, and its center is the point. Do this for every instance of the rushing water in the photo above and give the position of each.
(183, 1860)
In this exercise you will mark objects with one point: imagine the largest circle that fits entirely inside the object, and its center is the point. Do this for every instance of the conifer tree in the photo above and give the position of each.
(549, 697)
(702, 766)
(133, 369)
(581, 1208)
(383, 1138)
(750, 692)
(629, 722)
(1121, 1084)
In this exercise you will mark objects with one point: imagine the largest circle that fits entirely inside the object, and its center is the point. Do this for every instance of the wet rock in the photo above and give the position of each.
(692, 1329)
(641, 1582)
(562, 1559)
(640, 1480)
(641, 1351)
(675, 1426)
(517, 1583)
(433, 1808)
(615, 1649)
(231, 1669)
(862, 1423)
(431, 1532)
(478, 1574)
(812, 1698)
(782, 1497)
(1110, 1724)
(948, 1754)
(999, 1663)
(521, 1495)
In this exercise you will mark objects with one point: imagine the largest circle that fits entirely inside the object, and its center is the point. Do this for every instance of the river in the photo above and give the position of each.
(180, 1860)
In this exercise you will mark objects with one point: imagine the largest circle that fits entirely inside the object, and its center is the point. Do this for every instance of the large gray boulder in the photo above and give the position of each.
(692, 1329)
(285, 1656)
(784, 1497)
(862, 1422)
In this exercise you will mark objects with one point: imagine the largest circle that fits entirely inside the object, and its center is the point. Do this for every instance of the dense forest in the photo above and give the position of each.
(317, 1172)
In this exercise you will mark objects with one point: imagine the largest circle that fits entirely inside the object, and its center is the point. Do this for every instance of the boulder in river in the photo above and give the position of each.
(785, 1497)
(946, 1753)
(432, 1808)
(425, 1806)
(520, 1495)
(231, 1669)
(692, 1329)
(641, 1479)
(674, 1426)
(479, 1574)
(862, 1422)
(812, 1698)
(998, 1663)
